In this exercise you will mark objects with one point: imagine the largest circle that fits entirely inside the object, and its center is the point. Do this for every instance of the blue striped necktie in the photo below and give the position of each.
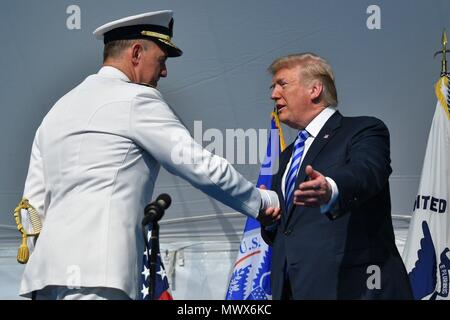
(291, 176)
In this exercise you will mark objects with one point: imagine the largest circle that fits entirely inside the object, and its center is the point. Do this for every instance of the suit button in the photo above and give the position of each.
(287, 232)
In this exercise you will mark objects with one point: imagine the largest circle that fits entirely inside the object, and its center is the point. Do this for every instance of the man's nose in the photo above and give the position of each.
(163, 72)
(274, 95)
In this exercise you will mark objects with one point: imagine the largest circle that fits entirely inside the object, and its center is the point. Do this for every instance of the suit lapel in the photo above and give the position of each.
(325, 135)
(284, 159)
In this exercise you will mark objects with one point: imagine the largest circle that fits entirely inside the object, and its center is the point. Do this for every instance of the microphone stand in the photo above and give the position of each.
(154, 258)
(152, 214)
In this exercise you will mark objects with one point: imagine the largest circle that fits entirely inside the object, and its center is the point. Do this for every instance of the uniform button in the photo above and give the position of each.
(287, 232)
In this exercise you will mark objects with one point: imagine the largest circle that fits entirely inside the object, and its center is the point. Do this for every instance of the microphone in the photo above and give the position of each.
(154, 211)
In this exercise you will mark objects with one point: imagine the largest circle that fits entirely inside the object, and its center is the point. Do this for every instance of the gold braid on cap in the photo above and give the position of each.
(33, 218)
(156, 35)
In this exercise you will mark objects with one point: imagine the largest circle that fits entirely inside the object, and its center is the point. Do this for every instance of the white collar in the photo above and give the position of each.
(113, 73)
(319, 121)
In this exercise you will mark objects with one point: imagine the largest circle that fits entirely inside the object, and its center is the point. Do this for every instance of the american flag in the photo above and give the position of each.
(162, 291)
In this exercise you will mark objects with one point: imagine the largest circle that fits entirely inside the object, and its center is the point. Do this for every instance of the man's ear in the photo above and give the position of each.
(316, 90)
(136, 52)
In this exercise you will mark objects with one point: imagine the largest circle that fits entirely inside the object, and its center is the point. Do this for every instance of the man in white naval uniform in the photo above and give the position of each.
(94, 162)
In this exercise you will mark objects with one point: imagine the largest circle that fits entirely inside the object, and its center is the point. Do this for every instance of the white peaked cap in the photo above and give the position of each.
(156, 26)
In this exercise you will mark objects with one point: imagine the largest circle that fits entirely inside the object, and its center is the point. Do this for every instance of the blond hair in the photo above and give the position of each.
(312, 68)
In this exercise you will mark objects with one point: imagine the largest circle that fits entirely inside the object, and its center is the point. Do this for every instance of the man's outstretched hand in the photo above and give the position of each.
(314, 192)
(270, 215)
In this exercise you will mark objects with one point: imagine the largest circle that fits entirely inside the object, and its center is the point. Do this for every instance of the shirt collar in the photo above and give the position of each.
(112, 72)
(319, 121)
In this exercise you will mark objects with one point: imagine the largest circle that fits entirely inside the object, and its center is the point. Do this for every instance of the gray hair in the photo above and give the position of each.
(114, 49)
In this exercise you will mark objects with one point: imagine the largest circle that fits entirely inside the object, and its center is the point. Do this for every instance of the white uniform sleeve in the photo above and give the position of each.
(157, 130)
(34, 189)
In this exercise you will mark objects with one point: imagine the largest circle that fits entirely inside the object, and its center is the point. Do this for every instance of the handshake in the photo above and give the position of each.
(270, 211)
(314, 192)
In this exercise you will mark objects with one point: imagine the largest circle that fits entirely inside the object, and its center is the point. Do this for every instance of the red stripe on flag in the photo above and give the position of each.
(247, 256)
(165, 296)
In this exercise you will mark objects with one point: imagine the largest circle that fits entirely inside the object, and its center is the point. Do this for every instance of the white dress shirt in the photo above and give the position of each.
(313, 129)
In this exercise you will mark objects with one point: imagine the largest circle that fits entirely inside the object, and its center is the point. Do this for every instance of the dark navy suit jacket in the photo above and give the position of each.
(349, 253)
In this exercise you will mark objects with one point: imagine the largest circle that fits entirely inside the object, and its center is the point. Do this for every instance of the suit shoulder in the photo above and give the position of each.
(114, 89)
(144, 93)
(363, 122)
(137, 89)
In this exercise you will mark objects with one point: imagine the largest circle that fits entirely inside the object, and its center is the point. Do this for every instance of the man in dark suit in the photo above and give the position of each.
(335, 239)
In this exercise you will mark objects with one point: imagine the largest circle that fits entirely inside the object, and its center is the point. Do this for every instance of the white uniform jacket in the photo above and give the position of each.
(93, 166)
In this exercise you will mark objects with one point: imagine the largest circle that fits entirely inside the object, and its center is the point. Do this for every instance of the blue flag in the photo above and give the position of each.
(250, 279)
